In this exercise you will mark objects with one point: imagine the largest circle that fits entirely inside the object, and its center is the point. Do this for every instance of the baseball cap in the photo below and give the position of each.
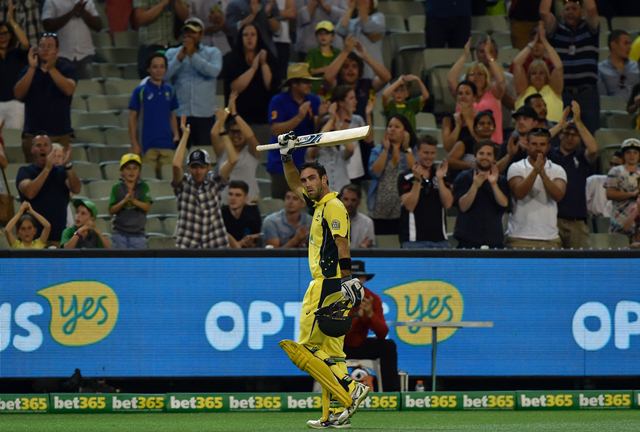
(194, 24)
(88, 204)
(130, 157)
(630, 144)
(198, 157)
(326, 26)
(525, 111)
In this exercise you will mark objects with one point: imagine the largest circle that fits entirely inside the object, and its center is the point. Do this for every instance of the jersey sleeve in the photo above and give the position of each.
(337, 218)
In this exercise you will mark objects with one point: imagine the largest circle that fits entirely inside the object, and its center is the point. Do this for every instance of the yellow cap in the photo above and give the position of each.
(325, 25)
(130, 157)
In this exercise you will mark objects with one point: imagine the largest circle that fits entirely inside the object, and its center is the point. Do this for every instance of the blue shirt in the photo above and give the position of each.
(276, 226)
(574, 203)
(612, 82)
(154, 107)
(282, 108)
(194, 79)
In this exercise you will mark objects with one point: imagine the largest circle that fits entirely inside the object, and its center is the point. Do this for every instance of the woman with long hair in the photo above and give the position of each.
(460, 126)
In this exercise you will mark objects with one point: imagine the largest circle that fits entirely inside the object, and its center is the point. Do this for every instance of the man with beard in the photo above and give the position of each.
(515, 148)
(362, 232)
(578, 163)
(536, 185)
(425, 196)
(482, 195)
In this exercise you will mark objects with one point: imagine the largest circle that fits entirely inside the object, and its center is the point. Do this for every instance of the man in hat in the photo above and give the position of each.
(193, 69)
(578, 162)
(515, 149)
(200, 223)
(623, 191)
(84, 234)
(369, 317)
(295, 109)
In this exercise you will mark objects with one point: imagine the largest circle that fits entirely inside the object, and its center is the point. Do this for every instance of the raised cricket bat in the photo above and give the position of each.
(324, 138)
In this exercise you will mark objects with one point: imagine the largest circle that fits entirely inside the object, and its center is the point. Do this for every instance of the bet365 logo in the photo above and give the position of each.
(82, 312)
(426, 300)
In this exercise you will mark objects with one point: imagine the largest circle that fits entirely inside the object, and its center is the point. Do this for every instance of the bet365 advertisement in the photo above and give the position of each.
(225, 316)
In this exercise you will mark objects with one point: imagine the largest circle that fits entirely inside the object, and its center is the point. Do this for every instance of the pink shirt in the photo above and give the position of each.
(488, 102)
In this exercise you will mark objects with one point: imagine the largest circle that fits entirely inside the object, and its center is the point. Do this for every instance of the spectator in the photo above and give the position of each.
(362, 232)
(523, 17)
(212, 14)
(536, 185)
(230, 124)
(264, 15)
(118, 14)
(248, 70)
(488, 95)
(536, 101)
(27, 16)
(369, 317)
(448, 23)
(597, 202)
(482, 196)
(633, 104)
(538, 79)
(396, 100)
(617, 75)
(84, 234)
(46, 87)
(486, 49)
(392, 157)
(363, 20)
(129, 204)
(321, 55)
(310, 14)
(576, 40)
(283, 38)
(13, 58)
(338, 159)
(461, 127)
(192, 70)
(25, 224)
(200, 224)
(623, 191)
(241, 220)
(295, 109)
(289, 227)
(516, 148)
(425, 196)
(462, 156)
(73, 21)
(154, 20)
(537, 50)
(153, 127)
(46, 186)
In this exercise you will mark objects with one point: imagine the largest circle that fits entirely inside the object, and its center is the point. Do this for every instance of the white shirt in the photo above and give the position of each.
(283, 36)
(597, 202)
(534, 217)
(75, 36)
(361, 229)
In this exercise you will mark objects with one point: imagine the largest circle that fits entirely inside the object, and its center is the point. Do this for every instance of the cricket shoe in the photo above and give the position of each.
(331, 423)
(358, 395)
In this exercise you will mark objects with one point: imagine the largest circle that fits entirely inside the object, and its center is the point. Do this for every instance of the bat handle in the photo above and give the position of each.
(265, 147)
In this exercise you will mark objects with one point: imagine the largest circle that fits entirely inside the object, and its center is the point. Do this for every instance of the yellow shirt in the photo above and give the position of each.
(635, 50)
(553, 101)
(35, 244)
(330, 218)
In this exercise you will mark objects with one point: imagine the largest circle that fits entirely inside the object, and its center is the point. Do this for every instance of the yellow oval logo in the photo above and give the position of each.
(426, 301)
(82, 312)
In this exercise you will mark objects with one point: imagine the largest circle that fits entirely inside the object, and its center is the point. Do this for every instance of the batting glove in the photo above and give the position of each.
(352, 290)
(287, 144)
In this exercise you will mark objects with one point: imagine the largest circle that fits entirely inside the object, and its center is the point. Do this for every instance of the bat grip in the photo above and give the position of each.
(265, 147)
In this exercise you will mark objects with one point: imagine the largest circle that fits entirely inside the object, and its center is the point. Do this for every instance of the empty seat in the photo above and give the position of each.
(108, 102)
(632, 23)
(103, 207)
(395, 23)
(165, 206)
(100, 189)
(425, 120)
(89, 134)
(613, 103)
(79, 153)
(433, 57)
(417, 23)
(106, 70)
(113, 86)
(12, 170)
(439, 89)
(110, 170)
(102, 39)
(606, 137)
(402, 8)
(87, 171)
(608, 241)
(170, 225)
(117, 136)
(489, 23)
(103, 119)
(154, 225)
(12, 137)
(125, 39)
(269, 205)
(161, 242)
(160, 188)
(390, 241)
(117, 55)
(14, 154)
(88, 87)
(112, 153)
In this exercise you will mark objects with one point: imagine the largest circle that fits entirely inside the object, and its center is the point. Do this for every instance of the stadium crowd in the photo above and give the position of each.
(527, 137)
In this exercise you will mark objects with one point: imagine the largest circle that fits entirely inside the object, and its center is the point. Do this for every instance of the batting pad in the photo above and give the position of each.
(318, 369)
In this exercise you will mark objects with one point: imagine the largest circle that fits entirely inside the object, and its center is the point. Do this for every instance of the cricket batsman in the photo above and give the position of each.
(330, 296)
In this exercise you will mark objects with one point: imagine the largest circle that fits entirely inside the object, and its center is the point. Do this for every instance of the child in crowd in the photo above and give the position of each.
(25, 223)
(129, 203)
(396, 100)
(84, 234)
(322, 56)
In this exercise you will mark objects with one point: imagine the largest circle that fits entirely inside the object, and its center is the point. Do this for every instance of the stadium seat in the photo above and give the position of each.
(408, 60)
(88, 87)
(103, 207)
(390, 241)
(506, 55)
(608, 241)
(160, 188)
(169, 224)
(117, 136)
(631, 23)
(125, 39)
(148, 172)
(165, 206)
(108, 102)
(264, 185)
(409, 41)
(416, 23)
(117, 55)
(114, 86)
(112, 153)
(104, 224)
(100, 189)
(79, 153)
(425, 120)
(103, 119)
(12, 137)
(440, 57)
(487, 23)
(14, 154)
(110, 170)
(166, 171)
(606, 137)
(618, 120)
(269, 205)
(395, 24)
(161, 242)
(130, 71)
(154, 225)
(605, 155)
(89, 134)
(106, 70)
(402, 8)
(102, 39)
(613, 103)
(13, 189)
(79, 103)
(87, 171)
(439, 89)
(11, 170)
(600, 224)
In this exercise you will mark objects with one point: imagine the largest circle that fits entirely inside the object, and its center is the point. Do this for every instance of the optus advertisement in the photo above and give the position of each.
(158, 317)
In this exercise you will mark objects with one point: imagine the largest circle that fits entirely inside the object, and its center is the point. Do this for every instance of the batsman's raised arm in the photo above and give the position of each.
(287, 144)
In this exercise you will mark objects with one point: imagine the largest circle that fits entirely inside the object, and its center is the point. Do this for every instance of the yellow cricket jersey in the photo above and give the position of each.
(330, 218)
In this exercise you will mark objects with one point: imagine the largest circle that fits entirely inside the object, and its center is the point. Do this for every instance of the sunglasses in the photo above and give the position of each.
(49, 35)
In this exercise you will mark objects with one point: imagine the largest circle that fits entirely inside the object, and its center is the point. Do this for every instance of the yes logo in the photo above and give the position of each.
(82, 312)
(426, 301)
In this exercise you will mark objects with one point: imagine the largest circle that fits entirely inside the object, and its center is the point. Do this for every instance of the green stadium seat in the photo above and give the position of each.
(102, 39)
(117, 136)
(114, 86)
(485, 23)
(100, 189)
(12, 137)
(89, 134)
(103, 119)
(106, 70)
(14, 154)
(608, 241)
(88, 87)
(161, 242)
(87, 171)
(126, 39)
(388, 241)
(108, 102)
(269, 205)
(401, 8)
(417, 23)
(117, 55)
(395, 23)
(607, 137)
(165, 206)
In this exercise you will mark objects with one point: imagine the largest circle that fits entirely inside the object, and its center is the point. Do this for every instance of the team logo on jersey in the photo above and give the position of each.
(335, 224)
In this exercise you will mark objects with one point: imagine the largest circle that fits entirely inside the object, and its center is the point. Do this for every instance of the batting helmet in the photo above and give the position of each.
(333, 320)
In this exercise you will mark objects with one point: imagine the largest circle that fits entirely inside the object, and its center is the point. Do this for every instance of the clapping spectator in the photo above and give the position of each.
(24, 222)
(538, 79)
(362, 231)
(84, 234)
(46, 87)
(459, 127)
(396, 98)
(241, 219)
(462, 156)
(321, 55)
(283, 37)
(27, 16)
(623, 191)
(262, 14)
(388, 159)
(192, 70)
(363, 20)
(230, 125)
(153, 126)
(73, 21)
(289, 227)
(618, 75)
(14, 46)
(129, 204)
(310, 14)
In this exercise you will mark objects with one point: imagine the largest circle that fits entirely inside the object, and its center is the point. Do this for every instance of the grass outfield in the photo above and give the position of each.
(538, 421)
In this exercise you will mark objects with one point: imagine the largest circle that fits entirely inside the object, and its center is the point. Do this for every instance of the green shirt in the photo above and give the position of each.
(91, 241)
(130, 219)
(409, 109)
(316, 60)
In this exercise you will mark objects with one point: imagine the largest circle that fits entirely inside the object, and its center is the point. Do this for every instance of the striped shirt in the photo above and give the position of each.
(578, 50)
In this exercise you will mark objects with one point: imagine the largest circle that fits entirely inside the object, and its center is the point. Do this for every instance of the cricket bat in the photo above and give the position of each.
(324, 138)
